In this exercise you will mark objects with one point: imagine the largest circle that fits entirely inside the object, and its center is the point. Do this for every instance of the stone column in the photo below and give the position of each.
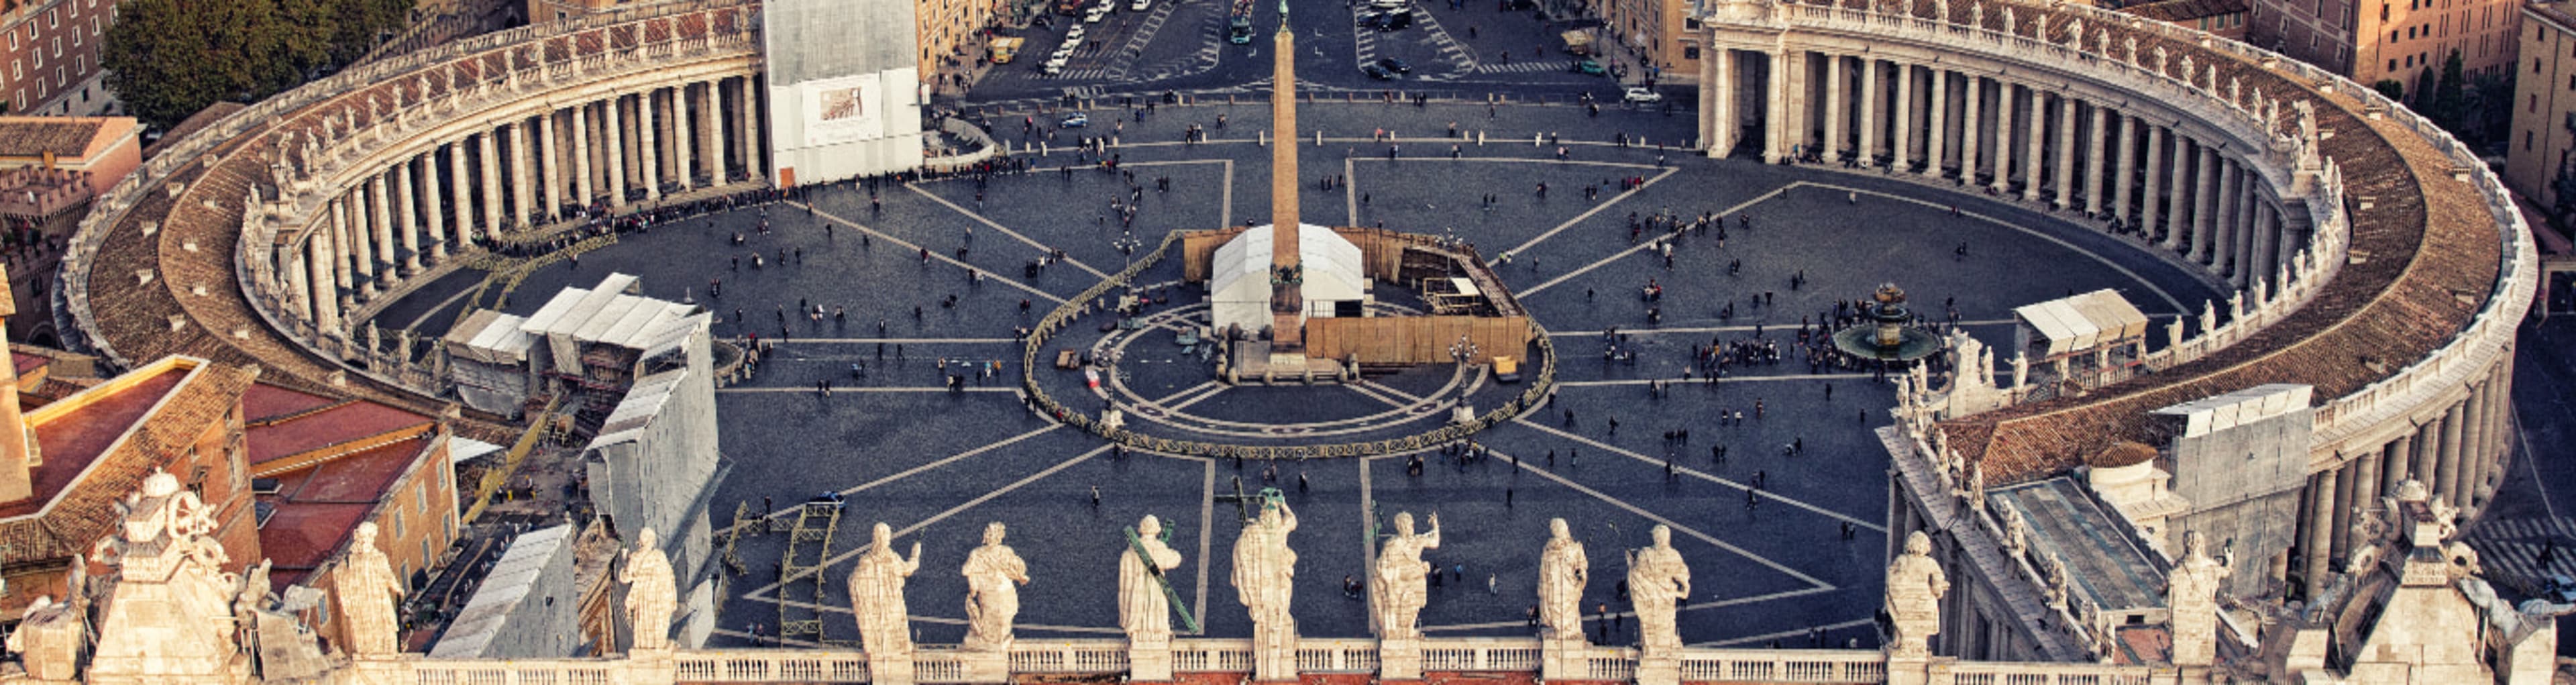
(2474, 441)
(491, 150)
(2176, 194)
(433, 224)
(2124, 174)
(2205, 204)
(320, 263)
(2501, 438)
(2400, 457)
(646, 126)
(584, 188)
(2004, 106)
(1937, 134)
(2035, 164)
(681, 152)
(2064, 174)
(2365, 496)
(2446, 474)
(747, 128)
(363, 257)
(2149, 202)
(2267, 242)
(715, 129)
(408, 219)
(1775, 117)
(521, 191)
(461, 208)
(347, 268)
(1969, 101)
(1903, 150)
(296, 277)
(2428, 452)
(376, 207)
(1869, 122)
(2222, 219)
(2338, 537)
(2249, 202)
(2093, 161)
(1834, 114)
(612, 139)
(550, 188)
(2321, 490)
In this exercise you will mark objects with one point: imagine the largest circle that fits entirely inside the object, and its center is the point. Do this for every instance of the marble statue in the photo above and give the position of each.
(1941, 10)
(1915, 585)
(164, 616)
(2191, 590)
(2011, 27)
(876, 595)
(365, 586)
(2016, 529)
(1563, 570)
(1143, 610)
(1658, 580)
(651, 594)
(2208, 317)
(1397, 588)
(1265, 569)
(2129, 45)
(1977, 16)
(993, 575)
(2161, 56)
(1265, 574)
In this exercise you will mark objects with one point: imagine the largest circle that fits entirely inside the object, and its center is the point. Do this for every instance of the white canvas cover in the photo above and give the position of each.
(1239, 275)
(2082, 322)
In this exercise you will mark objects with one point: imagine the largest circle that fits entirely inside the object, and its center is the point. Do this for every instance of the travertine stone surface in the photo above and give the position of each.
(1265, 572)
(993, 575)
(1658, 580)
(368, 593)
(1143, 610)
(1915, 585)
(1397, 588)
(651, 593)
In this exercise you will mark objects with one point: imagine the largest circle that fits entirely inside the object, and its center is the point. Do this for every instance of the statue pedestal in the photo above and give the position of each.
(649, 667)
(1274, 654)
(1561, 657)
(1149, 660)
(1908, 669)
(1659, 667)
(1399, 659)
(890, 669)
(987, 666)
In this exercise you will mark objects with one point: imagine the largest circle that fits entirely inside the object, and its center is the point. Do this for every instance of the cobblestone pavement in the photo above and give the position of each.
(937, 465)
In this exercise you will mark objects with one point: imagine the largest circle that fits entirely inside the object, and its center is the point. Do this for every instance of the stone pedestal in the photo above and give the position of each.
(1274, 655)
(987, 667)
(650, 667)
(1399, 659)
(893, 669)
(1149, 661)
(1903, 669)
(1561, 657)
(1659, 667)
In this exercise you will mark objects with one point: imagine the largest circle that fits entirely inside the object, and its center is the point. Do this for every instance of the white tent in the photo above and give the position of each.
(1239, 276)
(2080, 323)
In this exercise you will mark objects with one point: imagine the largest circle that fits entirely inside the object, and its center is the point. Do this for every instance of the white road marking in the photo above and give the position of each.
(1694, 473)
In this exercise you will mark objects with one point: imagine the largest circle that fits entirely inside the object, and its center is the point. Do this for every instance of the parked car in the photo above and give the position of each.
(1391, 21)
(1140, 5)
(1377, 72)
(1076, 120)
(1588, 66)
(1395, 65)
(1054, 65)
(1096, 13)
(1641, 94)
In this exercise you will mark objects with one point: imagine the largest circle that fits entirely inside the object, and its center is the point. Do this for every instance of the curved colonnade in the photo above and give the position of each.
(2371, 255)
(347, 193)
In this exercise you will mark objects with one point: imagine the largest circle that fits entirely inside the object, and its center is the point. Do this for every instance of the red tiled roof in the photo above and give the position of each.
(316, 508)
(75, 506)
(24, 362)
(299, 537)
(267, 402)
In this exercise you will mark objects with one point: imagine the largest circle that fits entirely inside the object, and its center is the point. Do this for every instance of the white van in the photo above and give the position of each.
(1140, 5)
(1054, 65)
(1387, 4)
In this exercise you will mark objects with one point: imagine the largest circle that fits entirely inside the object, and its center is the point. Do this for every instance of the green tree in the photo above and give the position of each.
(166, 59)
(2449, 108)
(2390, 88)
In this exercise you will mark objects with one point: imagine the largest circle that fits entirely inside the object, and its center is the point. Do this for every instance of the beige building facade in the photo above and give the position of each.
(1656, 33)
(2544, 102)
(2373, 40)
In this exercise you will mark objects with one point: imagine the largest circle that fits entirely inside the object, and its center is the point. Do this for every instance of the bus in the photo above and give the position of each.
(1238, 26)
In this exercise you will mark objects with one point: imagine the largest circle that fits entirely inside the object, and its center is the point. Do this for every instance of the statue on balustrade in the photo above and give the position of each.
(1397, 589)
(1563, 570)
(1915, 585)
(368, 592)
(993, 575)
(651, 593)
(1658, 581)
(2192, 592)
(1265, 569)
(1143, 610)
(876, 595)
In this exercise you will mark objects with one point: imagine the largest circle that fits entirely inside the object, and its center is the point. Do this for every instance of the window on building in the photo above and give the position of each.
(51, 16)
(420, 499)
(2526, 141)
(2392, 36)
(398, 523)
(93, 26)
(58, 76)
(58, 47)
(13, 40)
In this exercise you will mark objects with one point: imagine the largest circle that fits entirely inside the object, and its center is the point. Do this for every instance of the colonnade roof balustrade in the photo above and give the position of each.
(2436, 273)
(168, 261)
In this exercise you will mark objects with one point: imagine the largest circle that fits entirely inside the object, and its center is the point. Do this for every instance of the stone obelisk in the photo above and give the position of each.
(1287, 298)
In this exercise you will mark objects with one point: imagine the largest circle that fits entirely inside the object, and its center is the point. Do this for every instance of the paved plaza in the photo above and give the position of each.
(937, 465)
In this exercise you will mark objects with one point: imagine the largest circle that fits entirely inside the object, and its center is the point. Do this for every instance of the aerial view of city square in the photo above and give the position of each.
(972, 342)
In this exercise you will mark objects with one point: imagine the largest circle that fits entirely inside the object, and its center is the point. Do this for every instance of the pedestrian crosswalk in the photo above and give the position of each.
(1082, 91)
(1520, 67)
(1128, 55)
(2511, 549)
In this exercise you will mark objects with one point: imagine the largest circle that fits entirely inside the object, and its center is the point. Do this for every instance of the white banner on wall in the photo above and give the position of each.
(844, 109)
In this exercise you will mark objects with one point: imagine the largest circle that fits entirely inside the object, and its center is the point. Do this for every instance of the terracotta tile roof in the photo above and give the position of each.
(73, 511)
(2433, 257)
(315, 509)
(327, 426)
(67, 137)
(2179, 11)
